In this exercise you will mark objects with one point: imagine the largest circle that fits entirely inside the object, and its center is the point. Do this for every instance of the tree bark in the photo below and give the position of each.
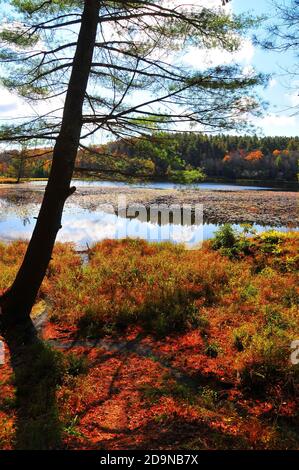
(17, 302)
(21, 167)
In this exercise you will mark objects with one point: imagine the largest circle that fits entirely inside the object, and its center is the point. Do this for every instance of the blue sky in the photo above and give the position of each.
(277, 120)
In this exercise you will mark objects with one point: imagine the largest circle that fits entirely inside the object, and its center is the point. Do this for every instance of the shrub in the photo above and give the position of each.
(230, 242)
(248, 292)
(290, 297)
(171, 312)
(213, 350)
(270, 241)
(209, 397)
(242, 337)
(75, 365)
(90, 324)
(225, 237)
(274, 318)
(268, 360)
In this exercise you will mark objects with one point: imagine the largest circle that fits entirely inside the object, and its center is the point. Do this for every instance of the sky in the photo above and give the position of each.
(278, 119)
(280, 93)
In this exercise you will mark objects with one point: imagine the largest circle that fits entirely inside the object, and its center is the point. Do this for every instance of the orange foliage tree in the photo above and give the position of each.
(255, 155)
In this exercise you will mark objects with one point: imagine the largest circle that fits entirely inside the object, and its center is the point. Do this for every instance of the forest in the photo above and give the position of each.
(220, 156)
(186, 157)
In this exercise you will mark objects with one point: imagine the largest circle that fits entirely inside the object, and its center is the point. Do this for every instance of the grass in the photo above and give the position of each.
(9, 180)
(208, 335)
(157, 287)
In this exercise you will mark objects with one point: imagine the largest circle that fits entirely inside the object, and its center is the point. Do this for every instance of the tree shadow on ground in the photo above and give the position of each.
(175, 433)
(35, 375)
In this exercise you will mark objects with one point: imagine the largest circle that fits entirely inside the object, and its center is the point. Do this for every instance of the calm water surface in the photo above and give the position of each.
(163, 185)
(82, 226)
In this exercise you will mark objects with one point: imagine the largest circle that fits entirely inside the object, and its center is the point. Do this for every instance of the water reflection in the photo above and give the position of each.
(162, 185)
(82, 226)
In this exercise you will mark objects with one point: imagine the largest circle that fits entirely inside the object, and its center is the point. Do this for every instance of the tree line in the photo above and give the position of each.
(218, 156)
(182, 157)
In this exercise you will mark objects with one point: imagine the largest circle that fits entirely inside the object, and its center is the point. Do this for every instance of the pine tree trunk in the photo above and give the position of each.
(21, 168)
(17, 302)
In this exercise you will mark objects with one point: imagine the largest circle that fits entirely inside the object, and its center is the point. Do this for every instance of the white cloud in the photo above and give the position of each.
(278, 124)
(197, 3)
(201, 59)
(10, 104)
(248, 71)
(272, 83)
(294, 98)
(14, 109)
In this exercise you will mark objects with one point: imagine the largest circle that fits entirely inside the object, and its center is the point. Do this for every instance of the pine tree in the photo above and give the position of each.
(96, 55)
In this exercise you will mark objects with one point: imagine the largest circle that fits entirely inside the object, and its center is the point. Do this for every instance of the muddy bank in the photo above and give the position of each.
(275, 208)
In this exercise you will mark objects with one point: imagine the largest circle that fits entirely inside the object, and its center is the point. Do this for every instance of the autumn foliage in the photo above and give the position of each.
(167, 348)
(254, 155)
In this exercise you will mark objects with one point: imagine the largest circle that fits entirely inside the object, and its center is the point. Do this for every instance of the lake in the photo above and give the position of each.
(164, 185)
(86, 226)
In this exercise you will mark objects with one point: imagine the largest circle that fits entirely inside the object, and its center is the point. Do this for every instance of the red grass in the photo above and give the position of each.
(222, 379)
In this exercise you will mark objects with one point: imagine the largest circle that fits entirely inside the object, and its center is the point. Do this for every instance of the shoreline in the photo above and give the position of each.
(282, 185)
(273, 208)
(259, 207)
